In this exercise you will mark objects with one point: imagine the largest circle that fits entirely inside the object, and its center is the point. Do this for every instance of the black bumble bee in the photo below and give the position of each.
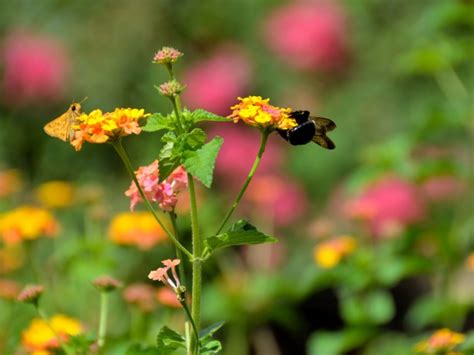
(309, 128)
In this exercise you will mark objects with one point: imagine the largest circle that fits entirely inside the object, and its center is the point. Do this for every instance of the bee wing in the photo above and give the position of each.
(324, 124)
(323, 141)
(59, 127)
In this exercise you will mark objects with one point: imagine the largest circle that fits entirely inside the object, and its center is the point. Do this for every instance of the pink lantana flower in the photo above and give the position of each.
(388, 206)
(161, 274)
(164, 193)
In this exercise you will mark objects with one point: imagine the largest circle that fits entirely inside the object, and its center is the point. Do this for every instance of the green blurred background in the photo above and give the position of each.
(397, 78)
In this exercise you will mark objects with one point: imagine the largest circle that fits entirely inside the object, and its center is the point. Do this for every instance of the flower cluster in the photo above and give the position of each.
(440, 342)
(31, 294)
(27, 223)
(167, 55)
(171, 88)
(99, 127)
(329, 253)
(43, 337)
(256, 111)
(55, 194)
(106, 283)
(161, 274)
(136, 229)
(164, 193)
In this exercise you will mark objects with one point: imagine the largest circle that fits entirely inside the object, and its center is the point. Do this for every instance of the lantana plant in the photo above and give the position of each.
(185, 157)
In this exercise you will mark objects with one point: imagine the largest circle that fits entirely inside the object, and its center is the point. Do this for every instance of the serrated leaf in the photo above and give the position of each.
(240, 233)
(200, 163)
(158, 122)
(200, 115)
(168, 341)
(209, 331)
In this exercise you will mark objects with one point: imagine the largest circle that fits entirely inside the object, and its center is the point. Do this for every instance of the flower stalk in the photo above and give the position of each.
(126, 161)
(104, 306)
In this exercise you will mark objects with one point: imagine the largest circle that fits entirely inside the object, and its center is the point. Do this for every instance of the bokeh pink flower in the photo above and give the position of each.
(239, 150)
(35, 68)
(388, 206)
(309, 35)
(214, 83)
(282, 198)
(164, 193)
(443, 188)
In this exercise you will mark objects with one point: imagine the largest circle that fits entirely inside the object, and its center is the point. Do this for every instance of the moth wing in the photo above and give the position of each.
(324, 124)
(59, 127)
(324, 141)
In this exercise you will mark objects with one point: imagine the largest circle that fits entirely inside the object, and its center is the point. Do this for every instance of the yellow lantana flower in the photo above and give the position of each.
(256, 111)
(99, 127)
(136, 229)
(443, 340)
(329, 253)
(55, 194)
(27, 223)
(41, 337)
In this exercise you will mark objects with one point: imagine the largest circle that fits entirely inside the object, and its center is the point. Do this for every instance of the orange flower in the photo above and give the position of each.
(167, 297)
(256, 111)
(10, 182)
(470, 261)
(138, 229)
(329, 253)
(440, 342)
(27, 223)
(140, 295)
(9, 289)
(42, 338)
(98, 127)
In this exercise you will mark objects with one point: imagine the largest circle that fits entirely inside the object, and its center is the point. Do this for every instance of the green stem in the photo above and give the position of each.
(123, 155)
(104, 305)
(197, 251)
(179, 255)
(177, 110)
(193, 325)
(252, 171)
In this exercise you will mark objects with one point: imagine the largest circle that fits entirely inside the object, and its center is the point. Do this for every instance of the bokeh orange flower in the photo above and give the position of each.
(442, 341)
(9, 289)
(141, 296)
(27, 223)
(329, 253)
(138, 229)
(42, 338)
(167, 297)
(12, 257)
(99, 127)
(256, 111)
(55, 194)
(10, 182)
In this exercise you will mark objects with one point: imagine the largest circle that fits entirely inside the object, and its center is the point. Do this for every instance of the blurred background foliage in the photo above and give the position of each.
(376, 237)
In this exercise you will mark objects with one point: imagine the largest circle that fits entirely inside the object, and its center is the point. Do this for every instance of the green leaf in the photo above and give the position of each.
(168, 341)
(240, 233)
(211, 347)
(375, 307)
(200, 115)
(158, 122)
(209, 331)
(337, 343)
(201, 162)
(195, 139)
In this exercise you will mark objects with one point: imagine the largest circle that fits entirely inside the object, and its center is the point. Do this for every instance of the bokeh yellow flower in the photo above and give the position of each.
(55, 194)
(442, 341)
(138, 229)
(10, 182)
(42, 338)
(27, 223)
(329, 253)
(99, 127)
(256, 111)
